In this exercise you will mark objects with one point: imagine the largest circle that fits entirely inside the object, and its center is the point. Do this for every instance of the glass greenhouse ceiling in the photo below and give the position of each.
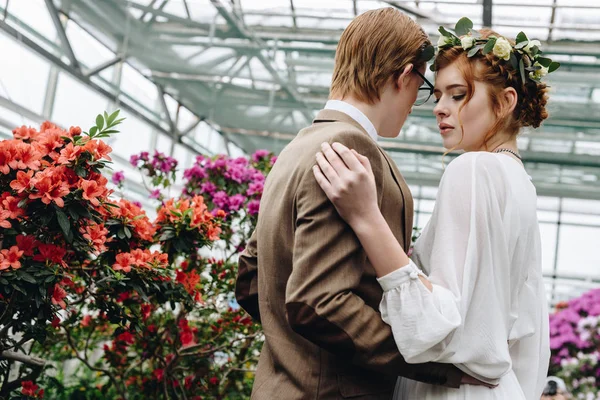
(258, 70)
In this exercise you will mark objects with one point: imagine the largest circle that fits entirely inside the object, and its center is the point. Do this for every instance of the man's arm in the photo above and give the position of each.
(328, 264)
(246, 286)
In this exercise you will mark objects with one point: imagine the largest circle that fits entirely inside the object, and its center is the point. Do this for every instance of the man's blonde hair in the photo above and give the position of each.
(375, 47)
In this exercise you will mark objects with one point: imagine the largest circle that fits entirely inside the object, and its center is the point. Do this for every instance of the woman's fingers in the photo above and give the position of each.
(322, 180)
(326, 168)
(334, 159)
(350, 158)
(363, 160)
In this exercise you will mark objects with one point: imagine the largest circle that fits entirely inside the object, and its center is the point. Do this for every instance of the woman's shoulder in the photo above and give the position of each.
(474, 164)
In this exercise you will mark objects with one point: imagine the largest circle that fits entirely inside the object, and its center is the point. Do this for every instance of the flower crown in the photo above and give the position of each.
(524, 56)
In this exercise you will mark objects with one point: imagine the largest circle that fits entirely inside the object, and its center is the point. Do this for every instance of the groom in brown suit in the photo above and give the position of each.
(304, 274)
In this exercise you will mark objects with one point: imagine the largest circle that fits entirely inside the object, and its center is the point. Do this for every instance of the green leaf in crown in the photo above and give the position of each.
(525, 56)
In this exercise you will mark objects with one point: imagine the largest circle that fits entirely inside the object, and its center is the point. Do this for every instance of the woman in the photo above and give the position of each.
(474, 295)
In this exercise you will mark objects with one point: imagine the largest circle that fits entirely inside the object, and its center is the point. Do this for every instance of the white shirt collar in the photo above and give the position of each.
(355, 114)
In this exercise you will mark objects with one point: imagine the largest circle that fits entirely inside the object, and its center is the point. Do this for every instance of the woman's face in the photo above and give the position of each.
(477, 116)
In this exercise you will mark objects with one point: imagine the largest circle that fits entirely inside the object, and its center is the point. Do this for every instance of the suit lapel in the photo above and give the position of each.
(406, 197)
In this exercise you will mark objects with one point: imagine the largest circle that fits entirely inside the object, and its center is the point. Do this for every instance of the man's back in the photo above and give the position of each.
(317, 293)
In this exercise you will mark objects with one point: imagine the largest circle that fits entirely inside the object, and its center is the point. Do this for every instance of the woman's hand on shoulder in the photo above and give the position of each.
(347, 179)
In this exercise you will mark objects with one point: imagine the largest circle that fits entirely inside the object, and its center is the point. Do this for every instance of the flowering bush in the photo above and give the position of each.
(98, 300)
(575, 344)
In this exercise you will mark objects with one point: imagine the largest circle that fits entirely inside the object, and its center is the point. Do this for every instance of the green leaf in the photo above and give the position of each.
(513, 61)
(544, 62)
(26, 276)
(23, 202)
(474, 50)
(463, 26)
(534, 51)
(489, 46)
(63, 221)
(445, 32)
(121, 234)
(521, 37)
(522, 70)
(81, 172)
(474, 33)
(553, 66)
(100, 122)
(127, 232)
(3, 281)
(112, 117)
(93, 131)
(521, 45)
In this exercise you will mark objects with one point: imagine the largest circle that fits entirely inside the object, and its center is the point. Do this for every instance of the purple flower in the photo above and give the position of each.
(133, 160)
(236, 201)
(118, 178)
(137, 203)
(208, 187)
(255, 188)
(273, 160)
(235, 174)
(155, 194)
(221, 200)
(196, 172)
(259, 155)
(253, 206)
(144, 155)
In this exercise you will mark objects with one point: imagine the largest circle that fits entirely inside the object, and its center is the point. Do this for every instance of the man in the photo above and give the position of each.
(304, 274)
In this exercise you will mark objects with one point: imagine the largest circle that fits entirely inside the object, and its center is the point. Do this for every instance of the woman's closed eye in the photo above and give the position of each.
(456, 97)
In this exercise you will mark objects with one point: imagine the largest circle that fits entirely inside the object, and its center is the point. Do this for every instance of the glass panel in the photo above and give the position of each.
(23, 80)
(134, 137)
(138, 86)
(87, 49)
(76, 104)
(577, 253)
(35, 14)
(548, 238)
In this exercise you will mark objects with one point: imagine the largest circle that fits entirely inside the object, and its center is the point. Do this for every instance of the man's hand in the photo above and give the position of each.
(469, 380)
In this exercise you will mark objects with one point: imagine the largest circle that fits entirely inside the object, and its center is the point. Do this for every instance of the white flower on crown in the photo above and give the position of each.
(540, 73)
(467, 42)
(531, 44)
(502, 49)
(444, 40)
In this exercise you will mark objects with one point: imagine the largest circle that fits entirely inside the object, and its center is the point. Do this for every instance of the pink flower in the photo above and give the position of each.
(253, 206)
(255, 188)
(221, 200)
(118, 178)
(259, 155)
(236, 201)
(155, 194)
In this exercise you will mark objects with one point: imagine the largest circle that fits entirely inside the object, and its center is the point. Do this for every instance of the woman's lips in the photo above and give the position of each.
(445, 128)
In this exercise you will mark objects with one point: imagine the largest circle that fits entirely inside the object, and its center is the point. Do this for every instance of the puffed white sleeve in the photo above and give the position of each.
(465, 252)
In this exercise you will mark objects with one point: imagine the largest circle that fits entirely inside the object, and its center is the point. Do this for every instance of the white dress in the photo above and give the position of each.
(487, 313)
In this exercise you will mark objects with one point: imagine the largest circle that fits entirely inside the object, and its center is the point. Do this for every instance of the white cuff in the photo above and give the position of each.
(400, 276)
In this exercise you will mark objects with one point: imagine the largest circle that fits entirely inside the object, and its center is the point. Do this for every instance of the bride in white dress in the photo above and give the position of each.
(474, 295)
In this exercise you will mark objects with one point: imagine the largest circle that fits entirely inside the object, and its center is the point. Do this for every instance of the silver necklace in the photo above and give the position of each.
(514, 153)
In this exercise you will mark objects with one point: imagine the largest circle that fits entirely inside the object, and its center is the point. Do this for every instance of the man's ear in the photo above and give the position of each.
(402, 78)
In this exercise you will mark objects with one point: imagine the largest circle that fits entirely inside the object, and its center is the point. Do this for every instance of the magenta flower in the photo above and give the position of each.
(236, 201)
(221, 200)
(255, 188)
(118, 178)
(155, 194)
(259, 155)
(253, 206)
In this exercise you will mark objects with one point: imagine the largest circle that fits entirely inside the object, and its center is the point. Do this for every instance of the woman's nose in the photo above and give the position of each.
(440, 109)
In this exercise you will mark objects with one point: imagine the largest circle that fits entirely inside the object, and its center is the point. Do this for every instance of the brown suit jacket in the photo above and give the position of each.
(305, 276)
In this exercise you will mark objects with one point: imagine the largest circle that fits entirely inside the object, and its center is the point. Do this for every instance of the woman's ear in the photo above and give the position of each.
(509, 97)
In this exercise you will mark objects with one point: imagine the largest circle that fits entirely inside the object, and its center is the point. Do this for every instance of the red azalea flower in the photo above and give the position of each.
(58, 295)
